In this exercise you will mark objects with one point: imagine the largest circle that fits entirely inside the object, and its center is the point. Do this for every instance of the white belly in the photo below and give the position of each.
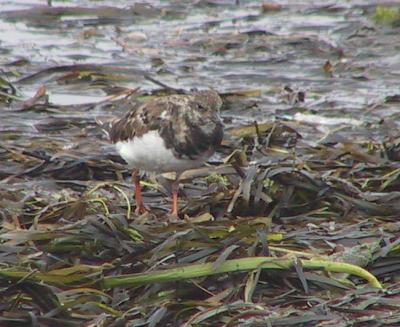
(149, 153)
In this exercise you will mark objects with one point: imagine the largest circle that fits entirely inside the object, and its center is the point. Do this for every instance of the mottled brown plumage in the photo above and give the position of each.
(171, 133)
(189, 124)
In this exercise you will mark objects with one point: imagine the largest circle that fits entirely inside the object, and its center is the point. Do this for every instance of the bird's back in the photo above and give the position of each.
(174, 132)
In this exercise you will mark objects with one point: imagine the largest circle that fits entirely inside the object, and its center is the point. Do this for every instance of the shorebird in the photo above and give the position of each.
(168, 134)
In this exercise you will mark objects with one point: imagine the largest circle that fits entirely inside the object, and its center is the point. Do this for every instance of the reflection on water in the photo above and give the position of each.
(199, 44)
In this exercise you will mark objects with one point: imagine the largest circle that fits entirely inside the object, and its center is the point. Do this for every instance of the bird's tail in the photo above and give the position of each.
(105, 125)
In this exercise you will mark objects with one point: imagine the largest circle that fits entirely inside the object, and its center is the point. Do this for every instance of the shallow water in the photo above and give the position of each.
(226, 45)
(66, 198)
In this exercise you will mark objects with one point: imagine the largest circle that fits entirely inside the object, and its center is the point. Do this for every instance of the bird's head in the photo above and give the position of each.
(209, 99)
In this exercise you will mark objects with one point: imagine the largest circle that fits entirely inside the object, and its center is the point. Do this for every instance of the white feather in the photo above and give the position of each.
(149, 153)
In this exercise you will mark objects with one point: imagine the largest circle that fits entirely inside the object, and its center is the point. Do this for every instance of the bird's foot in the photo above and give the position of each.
(140, 210)
(173, 216)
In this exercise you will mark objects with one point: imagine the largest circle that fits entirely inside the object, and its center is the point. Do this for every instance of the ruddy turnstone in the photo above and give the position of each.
(168, 134)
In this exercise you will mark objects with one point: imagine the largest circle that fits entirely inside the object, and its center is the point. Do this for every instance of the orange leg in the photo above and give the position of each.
(175, 189)
(140, 207)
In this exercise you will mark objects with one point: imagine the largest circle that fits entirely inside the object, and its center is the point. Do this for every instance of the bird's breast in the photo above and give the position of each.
(149, 152)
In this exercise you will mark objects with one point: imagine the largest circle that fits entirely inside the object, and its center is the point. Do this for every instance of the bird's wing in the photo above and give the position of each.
(138, 121)
(186, 127)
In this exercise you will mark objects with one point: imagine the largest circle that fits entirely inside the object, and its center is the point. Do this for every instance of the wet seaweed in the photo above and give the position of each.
(294, 222)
